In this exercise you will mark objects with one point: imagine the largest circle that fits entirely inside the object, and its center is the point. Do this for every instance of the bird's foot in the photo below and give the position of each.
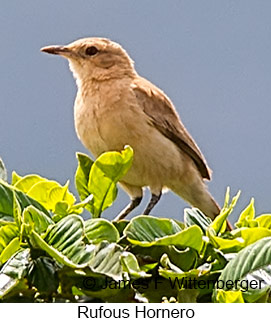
(154, 200)
(132, 205)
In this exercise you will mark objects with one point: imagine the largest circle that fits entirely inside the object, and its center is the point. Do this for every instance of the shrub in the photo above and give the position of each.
(49, 253)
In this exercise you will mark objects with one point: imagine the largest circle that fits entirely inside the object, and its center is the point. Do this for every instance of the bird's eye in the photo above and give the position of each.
(92, 50)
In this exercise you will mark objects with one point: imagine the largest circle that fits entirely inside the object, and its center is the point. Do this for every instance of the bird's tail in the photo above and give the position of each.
(197, 195)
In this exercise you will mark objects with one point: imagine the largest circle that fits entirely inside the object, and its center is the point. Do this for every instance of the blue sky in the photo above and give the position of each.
(211, 57)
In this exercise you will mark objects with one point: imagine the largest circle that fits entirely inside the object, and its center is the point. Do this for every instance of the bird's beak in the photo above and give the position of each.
(56, 50)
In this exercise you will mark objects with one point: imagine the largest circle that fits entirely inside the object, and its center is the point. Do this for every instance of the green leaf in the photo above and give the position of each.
(107, 170)
(3, 171)
(115, 164)
(147, 228)
(61, 210)
(7, 233)
(229, 296)
(64, 242)
(13, 271)
(195, 216)
(12, 247)
(25, 183)
(103, 196)
(247, 215)
(82, 176)
(172, 272)
(97, 230)
(37, 219)
(216, 258)
(130, 265)
(200, 279)
(109, 265)
(99, 179)
(106, 259)
(121, 225)
(17, 210)
(15, 178)
(148, 231)
(106, 276)
(264, 221)
(253, 263)
(251, 235)
(227, 245)
(42, 274)
(184, 259)
(7, 203)
(219, 223)
(227, 198)
(49, 193)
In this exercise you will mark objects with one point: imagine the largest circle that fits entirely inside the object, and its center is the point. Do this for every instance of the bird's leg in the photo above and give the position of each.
(154, 200)
(133, 204)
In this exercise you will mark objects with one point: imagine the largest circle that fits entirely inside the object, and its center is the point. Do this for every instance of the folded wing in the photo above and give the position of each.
(165, 118)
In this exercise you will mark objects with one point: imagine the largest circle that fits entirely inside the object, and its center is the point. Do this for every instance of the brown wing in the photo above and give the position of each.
(165, 118)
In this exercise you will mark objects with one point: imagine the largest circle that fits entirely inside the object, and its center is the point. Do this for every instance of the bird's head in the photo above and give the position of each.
(95, 58)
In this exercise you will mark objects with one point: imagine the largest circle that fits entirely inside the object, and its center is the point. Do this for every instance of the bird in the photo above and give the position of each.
(115, 107)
